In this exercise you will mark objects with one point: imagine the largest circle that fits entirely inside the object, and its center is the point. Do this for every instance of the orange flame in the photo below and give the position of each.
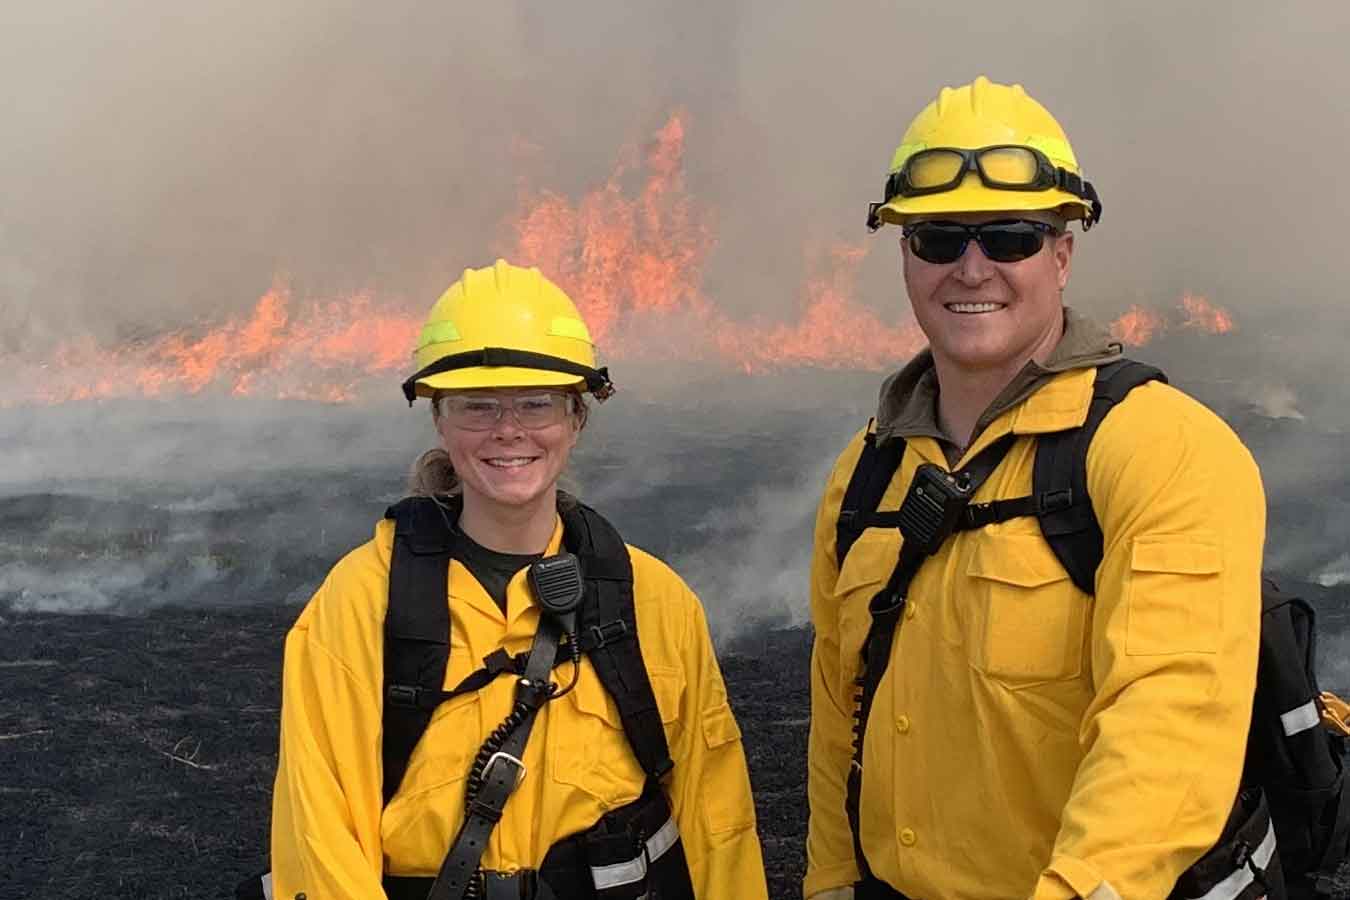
(1140, 325)
(631, 253)
(622, 259)
(833, 332)
(320, 354)
(1137, 327)
(1204, 316)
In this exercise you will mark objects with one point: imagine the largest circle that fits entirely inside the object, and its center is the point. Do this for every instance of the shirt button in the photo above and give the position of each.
(902, 724)
(908, 837)
(909, 610)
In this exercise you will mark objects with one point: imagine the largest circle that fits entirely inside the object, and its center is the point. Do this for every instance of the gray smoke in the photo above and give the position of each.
(163, 164)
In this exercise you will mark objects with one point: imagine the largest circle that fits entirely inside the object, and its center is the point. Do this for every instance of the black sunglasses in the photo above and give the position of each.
(1007, 241)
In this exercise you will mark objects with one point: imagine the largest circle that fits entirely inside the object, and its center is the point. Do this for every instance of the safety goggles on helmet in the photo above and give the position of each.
(532, 411)
(1002, 167)
(1007, 241)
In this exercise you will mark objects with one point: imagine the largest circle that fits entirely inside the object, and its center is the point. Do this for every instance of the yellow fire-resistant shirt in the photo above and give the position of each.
(331, 838)
(1029, 740)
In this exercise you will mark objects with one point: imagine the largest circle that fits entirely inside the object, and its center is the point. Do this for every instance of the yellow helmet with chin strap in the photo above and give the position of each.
(505, 326)
(984, 147)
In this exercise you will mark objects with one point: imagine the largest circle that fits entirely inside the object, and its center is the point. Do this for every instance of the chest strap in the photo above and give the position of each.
(498, 770)
(934, 507)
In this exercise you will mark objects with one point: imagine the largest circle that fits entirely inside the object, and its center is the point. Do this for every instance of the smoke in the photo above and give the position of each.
(164, 165)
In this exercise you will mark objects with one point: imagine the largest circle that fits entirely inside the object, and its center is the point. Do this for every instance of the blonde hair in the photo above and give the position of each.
(433, 475)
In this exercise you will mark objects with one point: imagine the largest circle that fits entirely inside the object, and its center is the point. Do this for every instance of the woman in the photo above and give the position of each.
(392, 776)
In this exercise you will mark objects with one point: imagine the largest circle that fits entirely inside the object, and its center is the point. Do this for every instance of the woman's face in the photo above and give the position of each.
(501, 462)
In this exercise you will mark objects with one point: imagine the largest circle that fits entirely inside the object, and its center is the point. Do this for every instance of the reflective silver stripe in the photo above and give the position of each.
(618, 874)
(663, 840)
(1301, 719)
(267, 885)
(634, 870)
(1237, 882)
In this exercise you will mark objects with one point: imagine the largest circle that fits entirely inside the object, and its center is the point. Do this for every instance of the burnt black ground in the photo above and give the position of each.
(137, 754)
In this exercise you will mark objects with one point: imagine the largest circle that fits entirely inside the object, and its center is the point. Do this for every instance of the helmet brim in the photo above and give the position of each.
(480, 377)
(979, 199)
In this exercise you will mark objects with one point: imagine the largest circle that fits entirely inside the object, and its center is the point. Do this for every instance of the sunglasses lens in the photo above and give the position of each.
(936, 244)
(1012, 242)
(1013, 166)
(929, 169)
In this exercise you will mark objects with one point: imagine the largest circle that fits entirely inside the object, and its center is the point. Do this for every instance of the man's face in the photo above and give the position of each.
(979, 314)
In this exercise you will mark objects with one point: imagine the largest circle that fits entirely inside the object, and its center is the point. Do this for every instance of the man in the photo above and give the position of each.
(1028, 738)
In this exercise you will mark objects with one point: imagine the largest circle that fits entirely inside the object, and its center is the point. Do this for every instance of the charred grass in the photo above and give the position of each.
(137, 754)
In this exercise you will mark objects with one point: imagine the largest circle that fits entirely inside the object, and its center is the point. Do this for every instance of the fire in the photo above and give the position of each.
(1137, 327)
(620, 258)
(631, 253)
(833, 332)
(1203, 315)
(317, 351)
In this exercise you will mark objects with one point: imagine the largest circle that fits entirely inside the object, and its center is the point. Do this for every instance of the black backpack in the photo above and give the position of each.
(1294, 783)
(416, 655)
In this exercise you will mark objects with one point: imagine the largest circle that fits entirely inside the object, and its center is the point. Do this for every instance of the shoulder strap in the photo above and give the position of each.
(607, 624)
(866, 486)
(1059, 476)
(887, 605)
(416, 628)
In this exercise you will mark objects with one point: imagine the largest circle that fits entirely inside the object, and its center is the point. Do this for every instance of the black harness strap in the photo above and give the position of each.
(608, 623)
(416, 631)
(1059, 475)
(498, 770)
(876, 467)
(885, 609)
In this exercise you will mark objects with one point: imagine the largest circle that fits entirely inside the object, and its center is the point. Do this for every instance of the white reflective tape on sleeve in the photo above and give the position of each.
(1237, 882)
(267, 885)
(1301, 719)
(634, 870)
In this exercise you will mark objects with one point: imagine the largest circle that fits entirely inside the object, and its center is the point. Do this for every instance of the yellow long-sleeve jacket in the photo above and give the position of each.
(1030, 740)
(332, 839)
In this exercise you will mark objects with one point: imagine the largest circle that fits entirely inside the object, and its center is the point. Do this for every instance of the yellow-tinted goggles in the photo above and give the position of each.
(1003, 167)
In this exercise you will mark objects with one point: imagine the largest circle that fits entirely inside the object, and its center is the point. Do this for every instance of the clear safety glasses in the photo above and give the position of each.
(482, 412)
(1005, 241)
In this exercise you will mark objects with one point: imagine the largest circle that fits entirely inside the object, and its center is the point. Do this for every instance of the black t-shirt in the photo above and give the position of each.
(493, 570)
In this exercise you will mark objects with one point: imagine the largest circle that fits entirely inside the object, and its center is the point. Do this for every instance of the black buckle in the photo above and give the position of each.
(1054, 501)
(499, 661)
(873, 216)
(609, 632)
(403, 695)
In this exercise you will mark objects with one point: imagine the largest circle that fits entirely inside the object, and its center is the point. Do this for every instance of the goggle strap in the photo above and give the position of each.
(1075, 184)
(1069, 182)
(597, 380)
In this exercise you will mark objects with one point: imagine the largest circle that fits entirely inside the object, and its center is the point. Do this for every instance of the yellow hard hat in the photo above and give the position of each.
(504, 326)
(1004, 151)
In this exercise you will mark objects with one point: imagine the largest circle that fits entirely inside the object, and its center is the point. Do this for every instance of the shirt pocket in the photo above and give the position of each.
(1174, 594)
(725, 796)
(1027, 621)
(430, 798)
(587, 747)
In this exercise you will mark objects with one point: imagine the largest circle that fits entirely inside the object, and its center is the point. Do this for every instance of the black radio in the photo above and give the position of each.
(933, 507)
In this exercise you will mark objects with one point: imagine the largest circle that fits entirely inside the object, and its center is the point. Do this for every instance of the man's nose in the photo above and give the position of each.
(974, 267)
